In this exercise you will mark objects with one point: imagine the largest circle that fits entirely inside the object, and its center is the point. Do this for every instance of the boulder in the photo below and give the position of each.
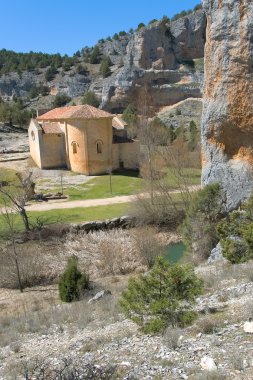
(100, 295)
(216, 255)
(208, 364)
(248, 326)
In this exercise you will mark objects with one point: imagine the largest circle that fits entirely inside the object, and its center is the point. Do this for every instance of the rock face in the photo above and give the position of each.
(227, 121)
(162, 57)
(166, 57)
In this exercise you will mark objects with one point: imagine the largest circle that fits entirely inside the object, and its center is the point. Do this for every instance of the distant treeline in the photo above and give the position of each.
(186, 13)
(11, 61)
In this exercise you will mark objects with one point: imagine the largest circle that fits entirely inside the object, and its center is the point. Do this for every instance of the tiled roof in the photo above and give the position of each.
(51, 128)
(75, 112)
(118, 123)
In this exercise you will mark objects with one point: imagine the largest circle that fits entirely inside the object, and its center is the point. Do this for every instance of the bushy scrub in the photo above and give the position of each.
(72, 282)
(203, 214)
(236, 234)
(162, 297)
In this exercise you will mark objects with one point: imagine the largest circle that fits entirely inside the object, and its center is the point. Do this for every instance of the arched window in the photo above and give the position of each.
(74, 147)
(33, 135)
(99, 147)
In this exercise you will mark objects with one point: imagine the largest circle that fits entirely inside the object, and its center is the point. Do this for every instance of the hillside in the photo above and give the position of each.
(165, 57)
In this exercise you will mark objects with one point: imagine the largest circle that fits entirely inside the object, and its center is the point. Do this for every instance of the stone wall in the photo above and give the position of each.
(77, 154)
(47, 150)
(35, 136)
(99, 132)
(227, 121)
(53, 153)
(126, 154)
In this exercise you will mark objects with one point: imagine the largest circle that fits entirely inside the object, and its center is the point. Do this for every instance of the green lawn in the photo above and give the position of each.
(126, 184)
(189, 176)
(7, 175)
(99, 187)
(74, 215)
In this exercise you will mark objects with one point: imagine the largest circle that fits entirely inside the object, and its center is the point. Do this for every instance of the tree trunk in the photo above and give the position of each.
(17, 265)
(25, 219)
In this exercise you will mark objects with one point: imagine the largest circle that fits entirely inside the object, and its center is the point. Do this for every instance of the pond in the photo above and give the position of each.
(174, 252)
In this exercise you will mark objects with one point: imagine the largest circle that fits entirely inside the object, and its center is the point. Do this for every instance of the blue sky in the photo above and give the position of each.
(65, 26)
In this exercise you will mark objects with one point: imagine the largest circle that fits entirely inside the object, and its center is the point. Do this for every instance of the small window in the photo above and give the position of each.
(33, 135)
(99, 147)
(74, 147)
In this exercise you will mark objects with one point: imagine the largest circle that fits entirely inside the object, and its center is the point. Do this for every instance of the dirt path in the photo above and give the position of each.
(56, 205)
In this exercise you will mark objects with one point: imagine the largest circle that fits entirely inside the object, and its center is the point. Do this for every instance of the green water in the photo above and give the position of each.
(175, 252)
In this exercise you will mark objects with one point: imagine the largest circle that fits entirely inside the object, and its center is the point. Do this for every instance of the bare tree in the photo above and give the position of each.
(18, 195)
(147, 245)
(9, 219)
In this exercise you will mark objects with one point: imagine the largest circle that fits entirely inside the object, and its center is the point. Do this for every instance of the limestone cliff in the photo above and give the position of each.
(227, 121)
(165, 56)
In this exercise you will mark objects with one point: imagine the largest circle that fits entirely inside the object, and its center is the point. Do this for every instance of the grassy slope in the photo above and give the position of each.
(75, 215)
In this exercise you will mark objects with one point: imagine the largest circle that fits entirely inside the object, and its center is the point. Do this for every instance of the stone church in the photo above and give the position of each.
(83, 139)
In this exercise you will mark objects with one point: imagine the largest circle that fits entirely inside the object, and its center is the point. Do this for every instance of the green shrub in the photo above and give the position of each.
(50, 73)
(105, 67)
(247, 234)
(162, 297)
(204, 213)
(72, 282)
(236, 251)
(61, 100)
(236, 234)
(130, 115)
(91, 99)
(140, 26)
(81, 69)
(95, 55)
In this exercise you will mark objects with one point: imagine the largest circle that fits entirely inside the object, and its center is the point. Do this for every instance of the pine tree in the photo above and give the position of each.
(95, 55)
(162, 297)
(105, 67)
(72, 282)
(91, 99)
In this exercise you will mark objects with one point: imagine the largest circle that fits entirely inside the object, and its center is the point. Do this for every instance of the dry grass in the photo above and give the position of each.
(171, 337)
(209, 324)
(35, 266)
(222, 275)
(38, 310)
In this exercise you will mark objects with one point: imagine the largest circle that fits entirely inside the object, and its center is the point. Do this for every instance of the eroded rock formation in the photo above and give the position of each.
(227, 121)
(167, 57)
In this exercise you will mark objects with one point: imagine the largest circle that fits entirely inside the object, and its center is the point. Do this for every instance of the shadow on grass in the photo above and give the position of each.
(127, 173)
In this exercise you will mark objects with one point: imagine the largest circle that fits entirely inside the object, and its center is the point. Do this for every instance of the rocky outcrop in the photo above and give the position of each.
(227, 121)
(162, 56)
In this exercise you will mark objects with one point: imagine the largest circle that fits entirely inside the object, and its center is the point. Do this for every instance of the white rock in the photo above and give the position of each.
(126, 364)
(248, 327)
(208, 363)
(99, 295)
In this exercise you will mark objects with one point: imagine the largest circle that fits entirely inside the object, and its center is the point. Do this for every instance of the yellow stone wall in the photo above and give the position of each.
(47, 150)
(76, 133)
(53, 154)
(127, 154)
(34, 143)
(99, 131)
(86, 134)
